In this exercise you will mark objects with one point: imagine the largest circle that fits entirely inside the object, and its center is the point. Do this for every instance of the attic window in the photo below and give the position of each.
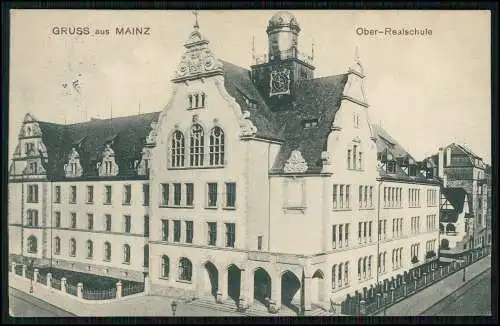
(391, 167)
(310, 123)
(197, 100)
(412, 170)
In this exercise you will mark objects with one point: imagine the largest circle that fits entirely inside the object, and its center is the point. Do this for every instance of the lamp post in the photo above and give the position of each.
(467, 222)
(174, 307)
(32, 275)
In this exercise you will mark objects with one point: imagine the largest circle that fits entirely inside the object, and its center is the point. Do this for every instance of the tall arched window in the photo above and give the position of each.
(346, 273)
(334, 270)
(165, 266)
(340, 274)
(57, 245)
(32, 244)
(216, 148)
(126, 254)
(72, 247)
(107, 251)
(146, 256)
(185, 269)
(90, 249)
(178, 149)
(196, 150)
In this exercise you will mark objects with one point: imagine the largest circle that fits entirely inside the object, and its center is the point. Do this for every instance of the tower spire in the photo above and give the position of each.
(196, 25)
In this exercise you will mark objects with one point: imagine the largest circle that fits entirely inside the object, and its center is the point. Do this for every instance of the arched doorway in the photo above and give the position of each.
(262, 285)
(290, 291)
(233, 282)
(211, 279)
(318, 287)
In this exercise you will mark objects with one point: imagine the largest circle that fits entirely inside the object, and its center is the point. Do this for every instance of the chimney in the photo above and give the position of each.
(441, 163)
(445, 181)
(448, 156)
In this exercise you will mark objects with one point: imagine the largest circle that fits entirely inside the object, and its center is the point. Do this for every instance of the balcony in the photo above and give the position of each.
(283, 55)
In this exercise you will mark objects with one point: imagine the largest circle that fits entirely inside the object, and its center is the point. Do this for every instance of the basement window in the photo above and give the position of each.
(310, 123)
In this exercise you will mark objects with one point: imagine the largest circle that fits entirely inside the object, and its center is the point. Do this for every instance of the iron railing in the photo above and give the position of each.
(132, 289)
(99, 294)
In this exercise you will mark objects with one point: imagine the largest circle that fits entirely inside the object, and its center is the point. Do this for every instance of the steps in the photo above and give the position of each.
(172, 292)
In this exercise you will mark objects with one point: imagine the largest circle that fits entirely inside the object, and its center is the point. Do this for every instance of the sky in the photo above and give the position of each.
(426, 91)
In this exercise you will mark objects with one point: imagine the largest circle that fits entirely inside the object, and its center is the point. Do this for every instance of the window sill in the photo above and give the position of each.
(340, 288)
(126, 204)
(89, 258)
(72, 255)
(342, 209)
(165, 278)
(126, 263)
(185, 281)
(203, 167)
(176, 206)
(57, 202)
(211, 207)
(229, 208)
(106, 203)
(107, 260)
(212, 245)
(196, 108)
(392, 207)
(89, 202)
(366, 208)
(72, 202)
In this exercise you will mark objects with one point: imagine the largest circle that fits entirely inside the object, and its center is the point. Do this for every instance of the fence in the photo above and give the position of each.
(56, 284)
(72, 289)
(133, 289)
(19, 270)
(391, 291)
(42, 279)
(99, 294)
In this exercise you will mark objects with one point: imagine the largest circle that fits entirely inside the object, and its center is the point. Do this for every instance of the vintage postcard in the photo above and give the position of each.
(249, 163)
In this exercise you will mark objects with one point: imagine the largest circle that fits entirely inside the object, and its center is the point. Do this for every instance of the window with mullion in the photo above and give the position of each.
(212, 233)
(196, 146)
(230, 194)
(212, 194)
(216, 147)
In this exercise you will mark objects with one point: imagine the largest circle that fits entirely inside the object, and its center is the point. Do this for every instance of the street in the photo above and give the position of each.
(25, 305)
(473, 299)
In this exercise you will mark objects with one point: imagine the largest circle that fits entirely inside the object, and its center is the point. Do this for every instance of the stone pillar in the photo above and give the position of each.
(222, 284)
(35, 275)
(392, 295)
(24, 271)
(13, 267)
(425, 279)
(441, 271)
(379, 303)
(362, 308)
(415, 284)
(405, 289)
(49, 280)
(147, 285)
(63, 284)
(249, 279)
(79, 290)
(275, 303)
(119, 289)
(243, 302)
(307, 294)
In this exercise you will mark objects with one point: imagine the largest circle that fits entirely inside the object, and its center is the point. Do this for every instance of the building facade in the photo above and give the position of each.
(253, 185)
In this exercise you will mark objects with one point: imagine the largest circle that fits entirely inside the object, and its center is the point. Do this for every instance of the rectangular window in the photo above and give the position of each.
(385, 196)
(73, 221)
(360, 165)
(177, 194)
(230, 234)
(212, 233)
(341, 195)
(212, 194)
(230, 194)
(107, 198)
(189, 194)
(370, 230)
(107, 218)
(127, 225)
(346, 235)
(164, 230)
(364, 231)
(127, 198)
(334, 236)
(365, 198)
(371, 196)
(360, 196)
(189, 231)
(347, 194)
(58, 219)
(90, 194)
(145, 194)
(349, 159)
(340, 235)
(259, 242)
(146, 225)
(57, 194)
(354, 157)
(177, 231)
(385, 229)
(335, 196)
(90, 221)
(73, 195)
(360, 227)
(164, 193)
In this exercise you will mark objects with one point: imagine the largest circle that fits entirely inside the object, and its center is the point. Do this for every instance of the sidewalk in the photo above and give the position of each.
(421, 301)
(149, 306)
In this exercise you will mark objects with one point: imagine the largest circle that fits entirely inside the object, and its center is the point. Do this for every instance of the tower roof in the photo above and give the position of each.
(283, 19)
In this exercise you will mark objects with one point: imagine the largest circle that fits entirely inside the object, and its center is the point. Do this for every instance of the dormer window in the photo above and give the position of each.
(391, 167)
(30, 147)
(197, 100)
(412, 170)
(73, 167)
(33, 167)
(310, 123)
(108, 166)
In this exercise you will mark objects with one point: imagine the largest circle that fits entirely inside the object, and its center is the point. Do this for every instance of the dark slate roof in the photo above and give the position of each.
(128, 133)
(456, 197)
(317, 98)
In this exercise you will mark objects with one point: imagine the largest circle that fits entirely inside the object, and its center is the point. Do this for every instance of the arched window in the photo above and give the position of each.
(107, 251)
(441, 228)
(90, 249)
(346, 272)
(165, 266)
(370, 266)
(178, 149)
(57, 245)
(32, 244)
(364, 268)
(450, 227)
(146, 256)
(185, 269)
(197, 141)
(216, 148)
(359, 268)
(340, 274)
(72, 247)
(29, 218)
(126, 254)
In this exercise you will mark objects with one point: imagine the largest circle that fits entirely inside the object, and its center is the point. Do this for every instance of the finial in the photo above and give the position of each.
(195, 13)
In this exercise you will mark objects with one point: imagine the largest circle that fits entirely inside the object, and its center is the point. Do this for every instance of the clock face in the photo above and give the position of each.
(280, 82)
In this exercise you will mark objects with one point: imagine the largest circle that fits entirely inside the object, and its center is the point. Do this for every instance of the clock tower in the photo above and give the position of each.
(276, 72)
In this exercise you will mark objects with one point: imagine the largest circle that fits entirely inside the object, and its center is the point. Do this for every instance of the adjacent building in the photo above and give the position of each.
(254, 185)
